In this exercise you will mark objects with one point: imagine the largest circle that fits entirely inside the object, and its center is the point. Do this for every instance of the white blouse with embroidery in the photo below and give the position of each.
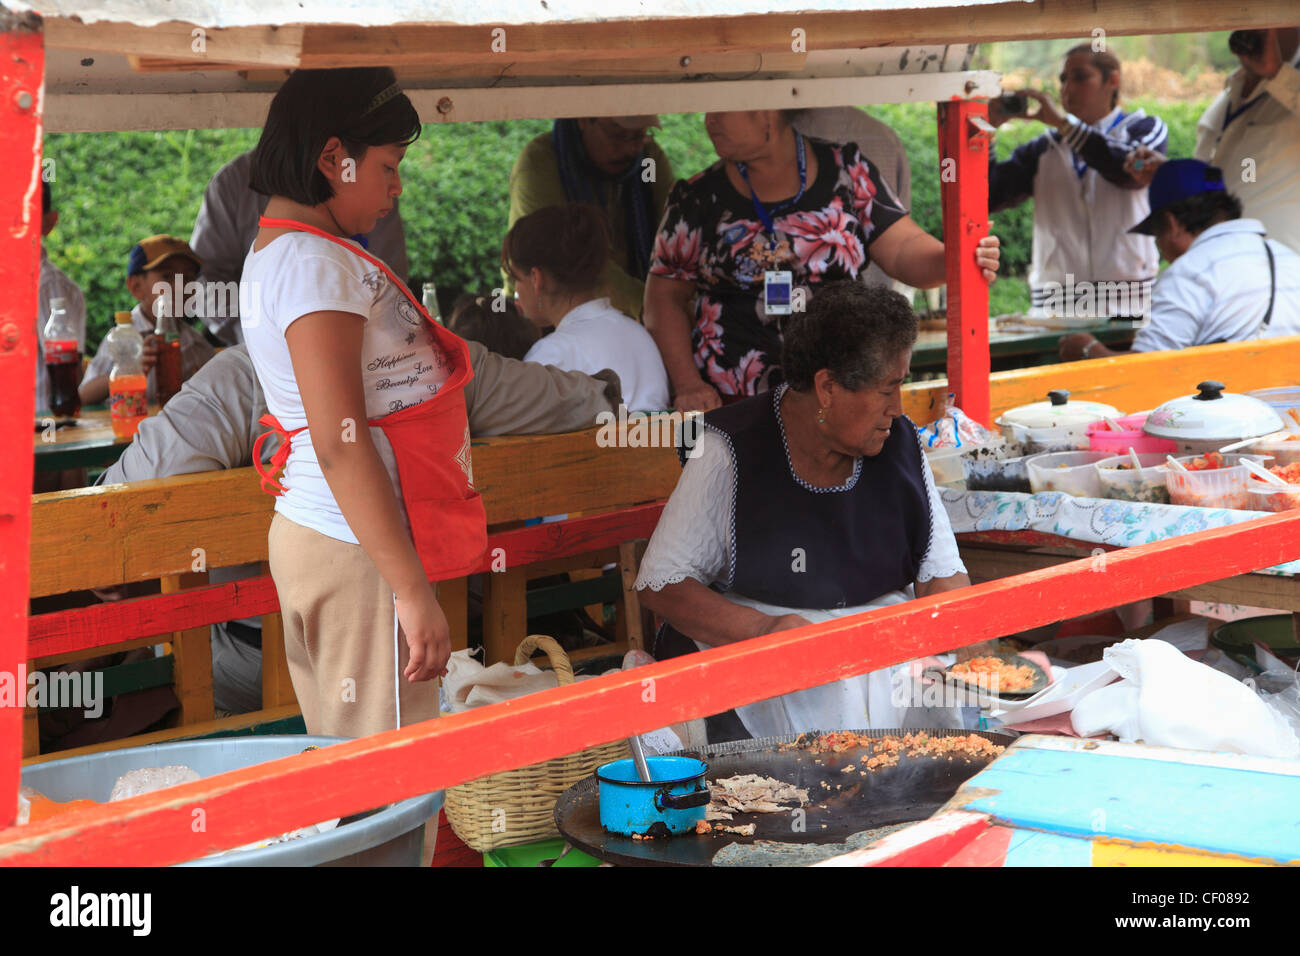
(693, 537)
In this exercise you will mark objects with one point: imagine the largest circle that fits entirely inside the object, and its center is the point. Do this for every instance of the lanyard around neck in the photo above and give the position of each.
(764, 215)
(1230, 114)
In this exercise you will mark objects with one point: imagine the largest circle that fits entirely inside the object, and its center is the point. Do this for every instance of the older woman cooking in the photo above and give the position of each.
(811, 502)
(777, 217)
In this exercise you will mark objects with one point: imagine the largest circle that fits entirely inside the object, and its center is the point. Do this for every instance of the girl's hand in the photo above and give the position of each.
(1142, 164)
(1047, 111)
(427, 634)
(700, 396)
(987, 255)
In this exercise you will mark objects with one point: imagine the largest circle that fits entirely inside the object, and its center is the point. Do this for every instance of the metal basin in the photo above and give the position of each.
(392, 836)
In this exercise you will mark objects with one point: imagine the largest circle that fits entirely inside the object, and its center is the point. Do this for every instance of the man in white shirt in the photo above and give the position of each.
(54, 285)
(1252, 132)
(224, 230)
(212, 424)
(154, 262)
(1226, 281)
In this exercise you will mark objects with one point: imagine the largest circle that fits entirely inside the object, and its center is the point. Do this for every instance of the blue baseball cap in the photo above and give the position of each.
(1175, 180)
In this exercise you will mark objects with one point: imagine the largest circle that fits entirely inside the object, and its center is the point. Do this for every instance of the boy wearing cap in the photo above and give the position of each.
(158, 266)
(1227, 282)
(609, 161)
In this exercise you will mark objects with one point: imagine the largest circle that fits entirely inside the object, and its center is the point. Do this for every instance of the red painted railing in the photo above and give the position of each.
(249, 804)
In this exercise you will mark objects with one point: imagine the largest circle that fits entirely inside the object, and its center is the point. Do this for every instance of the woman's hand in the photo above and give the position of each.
(1075, 348)
(427, 633)
(1047, 111)
(698, 396)
(987, 256)
(1142, 163)
(149, 358)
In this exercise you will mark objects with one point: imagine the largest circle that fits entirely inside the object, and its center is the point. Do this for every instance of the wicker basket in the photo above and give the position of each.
(518, 806)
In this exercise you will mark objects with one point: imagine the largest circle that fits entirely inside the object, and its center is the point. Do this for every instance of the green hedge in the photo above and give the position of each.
(112, 189)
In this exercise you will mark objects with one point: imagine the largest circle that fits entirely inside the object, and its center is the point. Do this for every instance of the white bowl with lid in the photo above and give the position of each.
(1057, 424)
(1211, 419)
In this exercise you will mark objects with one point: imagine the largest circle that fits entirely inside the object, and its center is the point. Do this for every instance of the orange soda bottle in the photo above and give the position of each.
(127, 384)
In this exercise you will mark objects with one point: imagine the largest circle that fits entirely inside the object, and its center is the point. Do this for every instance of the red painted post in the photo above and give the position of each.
(964, 186)
(22, 73)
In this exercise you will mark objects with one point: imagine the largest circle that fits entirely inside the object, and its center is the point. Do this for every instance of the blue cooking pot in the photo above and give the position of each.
(672, 802)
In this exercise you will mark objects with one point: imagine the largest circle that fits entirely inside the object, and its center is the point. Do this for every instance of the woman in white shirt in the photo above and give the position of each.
(810, 502)
(556, 257)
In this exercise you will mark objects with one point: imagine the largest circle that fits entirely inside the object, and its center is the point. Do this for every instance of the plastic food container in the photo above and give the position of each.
(946, 465)
(1221, 488)
(1211, 419)
(1073, 472)
(1288, 396)
(997, 466)
(1121, 481)
(1266, 497)
(1057, 424)
(1283, 452)
(1102, 438)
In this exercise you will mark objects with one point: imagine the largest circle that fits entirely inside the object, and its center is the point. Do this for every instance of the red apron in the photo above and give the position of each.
(430, 443)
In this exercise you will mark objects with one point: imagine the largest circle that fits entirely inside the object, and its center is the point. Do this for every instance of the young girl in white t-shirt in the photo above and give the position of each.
(335, 344)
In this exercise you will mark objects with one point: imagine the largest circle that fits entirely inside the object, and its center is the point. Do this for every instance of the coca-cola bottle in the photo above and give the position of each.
(62, 361)
(167, 370)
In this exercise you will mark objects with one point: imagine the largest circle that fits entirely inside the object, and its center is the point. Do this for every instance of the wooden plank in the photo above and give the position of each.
(355, 775)
(931, 842)
(147, 529)
(505, 613)
(238, 722)
(22, 70)
(630, 607)
(964, 188)
(192, 649)
(326, 45)
(262, 45)
(1130, 382)
(1251, 590)
(453, 596)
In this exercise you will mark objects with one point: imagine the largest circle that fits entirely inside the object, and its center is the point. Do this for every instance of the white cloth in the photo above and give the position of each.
(1259, 151)
(226, 226)
(1218, 290)
(1081, 223)
(299, 273)
(881, 145)
(693, 536)
(596, 336)
(195, 351)
(54, 284)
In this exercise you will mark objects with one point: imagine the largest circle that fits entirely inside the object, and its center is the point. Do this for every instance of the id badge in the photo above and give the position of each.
(776, 292)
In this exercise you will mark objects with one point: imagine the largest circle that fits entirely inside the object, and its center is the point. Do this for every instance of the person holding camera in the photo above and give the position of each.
(1252, 131)
(1085, 199)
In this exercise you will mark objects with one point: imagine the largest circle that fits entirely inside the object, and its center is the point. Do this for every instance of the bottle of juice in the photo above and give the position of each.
(127, 385)
(167, 371)
(62, 361)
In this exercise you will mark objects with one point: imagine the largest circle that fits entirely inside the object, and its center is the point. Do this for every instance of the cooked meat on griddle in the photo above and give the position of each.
(750, 793)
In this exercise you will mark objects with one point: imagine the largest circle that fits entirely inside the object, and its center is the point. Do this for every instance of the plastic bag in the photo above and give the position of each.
(955, 429)
(1166, 699)
(148, 779)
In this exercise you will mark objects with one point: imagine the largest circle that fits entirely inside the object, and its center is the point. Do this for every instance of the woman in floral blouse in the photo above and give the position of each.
(816, 210)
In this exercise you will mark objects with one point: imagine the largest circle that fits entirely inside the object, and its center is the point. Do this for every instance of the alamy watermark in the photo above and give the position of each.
(1094, 299)
(54, 689)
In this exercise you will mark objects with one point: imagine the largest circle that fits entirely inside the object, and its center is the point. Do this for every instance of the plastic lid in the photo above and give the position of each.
(1213, 414)
(122, 318)
(1058, 411)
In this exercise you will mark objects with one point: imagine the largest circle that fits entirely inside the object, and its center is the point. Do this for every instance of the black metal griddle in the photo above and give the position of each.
(848, 804)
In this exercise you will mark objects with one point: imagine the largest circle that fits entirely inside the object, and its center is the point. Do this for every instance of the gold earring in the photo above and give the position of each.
(821, 416)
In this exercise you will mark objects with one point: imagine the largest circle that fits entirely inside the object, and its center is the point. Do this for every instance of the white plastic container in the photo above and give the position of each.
(1073, 472)
(1122, 482)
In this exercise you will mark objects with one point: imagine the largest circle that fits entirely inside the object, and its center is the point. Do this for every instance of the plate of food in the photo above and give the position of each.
(1000, 675)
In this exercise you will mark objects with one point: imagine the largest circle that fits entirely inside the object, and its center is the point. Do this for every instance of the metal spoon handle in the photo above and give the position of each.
(638, 757)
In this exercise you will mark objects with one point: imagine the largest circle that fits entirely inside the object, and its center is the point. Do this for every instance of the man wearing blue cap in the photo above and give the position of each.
(1226, 281)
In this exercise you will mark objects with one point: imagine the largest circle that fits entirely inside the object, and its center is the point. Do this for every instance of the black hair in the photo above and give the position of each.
(852, 330)
(571, 242)
(1200, 212)
(314, 105)
(47, 201)
(504, 331)
(1103, 61)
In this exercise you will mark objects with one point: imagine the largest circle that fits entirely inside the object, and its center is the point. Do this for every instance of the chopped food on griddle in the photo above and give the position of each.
(994, 673)
(750, 793)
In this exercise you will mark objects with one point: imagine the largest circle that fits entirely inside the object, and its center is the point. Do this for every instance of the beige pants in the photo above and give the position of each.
(338, 635)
